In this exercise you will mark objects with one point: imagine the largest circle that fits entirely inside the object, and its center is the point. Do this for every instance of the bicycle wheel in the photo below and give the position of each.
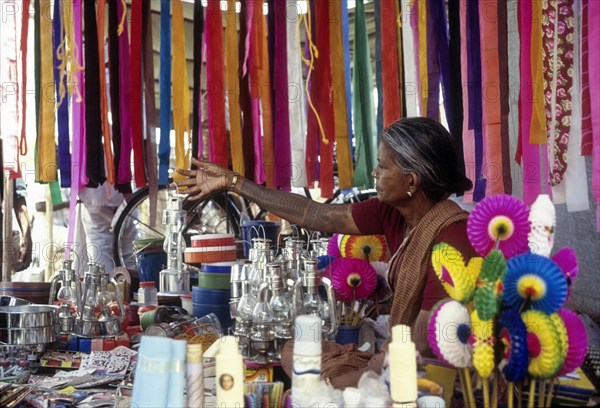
(217, 214)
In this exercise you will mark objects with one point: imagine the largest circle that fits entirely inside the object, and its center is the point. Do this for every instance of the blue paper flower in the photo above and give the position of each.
(513, 336)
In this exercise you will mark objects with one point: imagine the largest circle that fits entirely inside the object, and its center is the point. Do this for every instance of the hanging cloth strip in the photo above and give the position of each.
(587, 134)
(433, 67)
(557, 57)
(45, 163)
(197, 147)
(574, 188)
(93, 112)
(233, 88)
(23, 72)
(527, 154)
(78, 178)
(62, 97)
(280, 97)
(251, 65)
(594, 74)
(400, 53)
(348, 77)
(265, 52)
(312, 126)
(378, 68)
(421, 50)
(136, 94)
(164, 148)
(411, 69)
(108, 154)
(215, 91)
(181, 94)
(475, 104)
(453, 95)
(245, 105)
(340, 105)
(467, 132)
(440, 30)
(113, 66)
(324, 103)
(390, 73)
(124, 169)
(150, 109)
(514, 78)
(296, 101)
(364, 120)
(9, 109)
(490, 83)
(504, 94)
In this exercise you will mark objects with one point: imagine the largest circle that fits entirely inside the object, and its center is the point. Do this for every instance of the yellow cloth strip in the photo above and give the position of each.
(233, 88)
(181, 92)
(71, 63)
(538, 117)
(46, 151)
(265, 93)
(422, 15)
(340, 104)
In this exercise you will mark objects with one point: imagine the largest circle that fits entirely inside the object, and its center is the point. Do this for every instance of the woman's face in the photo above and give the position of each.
(391, 184)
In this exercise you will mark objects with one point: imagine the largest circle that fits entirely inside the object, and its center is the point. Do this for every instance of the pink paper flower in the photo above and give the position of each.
(353, 279)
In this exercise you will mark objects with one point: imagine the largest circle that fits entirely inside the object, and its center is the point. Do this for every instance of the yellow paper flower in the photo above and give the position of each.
(561, 330)
(371, 248)
(531, 286)
(483, 345)
(500, 228)
(449, 266)
(543, 343)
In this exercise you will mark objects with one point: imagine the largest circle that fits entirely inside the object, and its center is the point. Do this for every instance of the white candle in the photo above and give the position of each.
(403, 368)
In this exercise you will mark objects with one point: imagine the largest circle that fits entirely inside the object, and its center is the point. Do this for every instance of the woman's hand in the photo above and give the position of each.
(209, 178)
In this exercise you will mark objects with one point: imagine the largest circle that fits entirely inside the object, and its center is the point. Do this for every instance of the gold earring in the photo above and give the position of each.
(409, 193)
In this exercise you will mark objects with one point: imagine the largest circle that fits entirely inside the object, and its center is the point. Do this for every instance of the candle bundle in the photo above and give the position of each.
(507, 306)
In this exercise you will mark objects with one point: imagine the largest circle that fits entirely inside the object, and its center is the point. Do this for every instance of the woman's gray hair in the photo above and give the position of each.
(424, 147)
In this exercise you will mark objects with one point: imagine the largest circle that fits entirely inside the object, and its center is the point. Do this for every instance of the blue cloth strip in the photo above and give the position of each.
(164, 81)
(475, 106)
(62, 114)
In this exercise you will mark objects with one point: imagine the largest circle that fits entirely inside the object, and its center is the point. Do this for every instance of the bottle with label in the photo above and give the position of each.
(147, 294)
(403, 368)
(307, 353)
(229, 374)
(194, 374)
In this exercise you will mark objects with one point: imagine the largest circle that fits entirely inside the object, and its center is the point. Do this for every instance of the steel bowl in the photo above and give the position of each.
(36, 335)
(28, 316)
(13, 301)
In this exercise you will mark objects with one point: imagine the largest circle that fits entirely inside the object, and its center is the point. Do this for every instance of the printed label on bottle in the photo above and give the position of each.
(307, 369)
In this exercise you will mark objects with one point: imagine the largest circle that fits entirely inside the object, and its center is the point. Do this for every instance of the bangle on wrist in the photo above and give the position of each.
(234, 180)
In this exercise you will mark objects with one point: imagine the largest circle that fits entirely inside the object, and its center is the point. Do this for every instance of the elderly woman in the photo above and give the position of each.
(417, 171)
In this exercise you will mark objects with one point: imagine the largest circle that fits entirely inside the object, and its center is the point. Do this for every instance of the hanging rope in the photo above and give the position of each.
(309, 62)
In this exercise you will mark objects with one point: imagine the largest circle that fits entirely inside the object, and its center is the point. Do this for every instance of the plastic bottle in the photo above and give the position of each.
(307, 353)
(403, 368)
(147, 294)
(194, 374)
(229, 374)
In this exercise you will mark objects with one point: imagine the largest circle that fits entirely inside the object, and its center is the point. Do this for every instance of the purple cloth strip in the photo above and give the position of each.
(124, 171)
(281, 117)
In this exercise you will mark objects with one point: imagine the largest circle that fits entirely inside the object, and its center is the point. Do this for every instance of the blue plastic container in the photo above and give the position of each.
(347, 335)
(221, 311)
(150, 264)
(254, 229)
(217, 267)
(210, 296)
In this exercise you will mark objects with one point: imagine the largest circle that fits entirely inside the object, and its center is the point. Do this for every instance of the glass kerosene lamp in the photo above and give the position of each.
(69, 296)
(282, 307)
(174, 280)
(261, 336)
(260, 256)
